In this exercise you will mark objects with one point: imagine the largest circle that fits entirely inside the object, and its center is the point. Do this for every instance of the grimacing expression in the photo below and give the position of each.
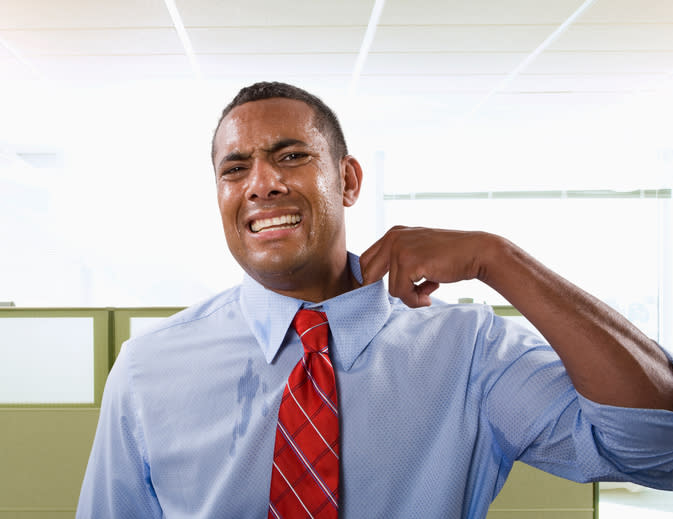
(279, 191)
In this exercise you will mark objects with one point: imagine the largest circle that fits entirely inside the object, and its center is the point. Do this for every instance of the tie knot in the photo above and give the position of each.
(312, 328)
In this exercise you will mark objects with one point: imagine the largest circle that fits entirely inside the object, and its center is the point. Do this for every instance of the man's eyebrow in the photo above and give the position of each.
(284, 143)
(276, 146)
(234, 156)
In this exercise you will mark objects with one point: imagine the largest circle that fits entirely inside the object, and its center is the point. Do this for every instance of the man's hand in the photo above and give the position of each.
(419, 259)
(608, 359)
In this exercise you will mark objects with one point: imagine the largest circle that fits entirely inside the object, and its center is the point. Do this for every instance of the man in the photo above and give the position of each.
(436, 402)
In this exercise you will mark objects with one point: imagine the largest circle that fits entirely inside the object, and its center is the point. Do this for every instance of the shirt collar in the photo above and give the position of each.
(355, 317)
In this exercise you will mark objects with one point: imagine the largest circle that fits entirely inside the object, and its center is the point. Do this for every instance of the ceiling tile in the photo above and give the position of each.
(460, 38)
(611, 62)
(442, 63)
(436, 45)
(112, 68)
(404, 12)
(318, 84)
(419, 83)
(95, 42)
(629, 11)
(216, 13)
(272, 66)
(37, 14)
(583, 82)
(616, 37)
(262, 40)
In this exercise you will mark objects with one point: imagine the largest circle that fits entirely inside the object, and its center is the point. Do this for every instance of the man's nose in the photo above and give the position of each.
(265, 181)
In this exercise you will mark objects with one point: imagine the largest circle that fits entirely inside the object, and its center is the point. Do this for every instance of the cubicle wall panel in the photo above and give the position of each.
(532, 489)
(36, 514)
(43, 455)
(539, 514)
(53, 356)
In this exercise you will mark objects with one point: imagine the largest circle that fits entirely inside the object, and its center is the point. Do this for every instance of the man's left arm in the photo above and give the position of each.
(607, 358)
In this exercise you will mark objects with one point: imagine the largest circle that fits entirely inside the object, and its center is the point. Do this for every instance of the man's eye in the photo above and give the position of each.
(232, 171)
(295, 155)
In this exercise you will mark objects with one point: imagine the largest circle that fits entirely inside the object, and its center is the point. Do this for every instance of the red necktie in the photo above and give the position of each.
(305, 476)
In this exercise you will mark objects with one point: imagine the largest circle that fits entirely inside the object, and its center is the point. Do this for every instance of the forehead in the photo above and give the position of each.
(259, 124)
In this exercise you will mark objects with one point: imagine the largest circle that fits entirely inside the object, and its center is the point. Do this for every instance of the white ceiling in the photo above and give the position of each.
(467, 46)
(430, 64)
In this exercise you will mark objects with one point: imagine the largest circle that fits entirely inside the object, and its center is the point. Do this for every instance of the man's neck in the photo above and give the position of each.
(314, 287)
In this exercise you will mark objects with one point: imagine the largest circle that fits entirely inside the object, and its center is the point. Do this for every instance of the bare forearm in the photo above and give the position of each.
(608, 359)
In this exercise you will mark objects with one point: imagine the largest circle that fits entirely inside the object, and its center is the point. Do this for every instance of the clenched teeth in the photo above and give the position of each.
(287, 220)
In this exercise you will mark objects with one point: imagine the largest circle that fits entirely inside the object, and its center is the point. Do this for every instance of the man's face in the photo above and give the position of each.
(279, 192)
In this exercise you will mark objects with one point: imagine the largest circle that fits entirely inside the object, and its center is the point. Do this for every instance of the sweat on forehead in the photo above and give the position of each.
(268, 126)
(324, 119)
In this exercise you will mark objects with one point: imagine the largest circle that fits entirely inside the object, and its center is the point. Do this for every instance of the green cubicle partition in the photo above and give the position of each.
(44, 442)
(45, 438)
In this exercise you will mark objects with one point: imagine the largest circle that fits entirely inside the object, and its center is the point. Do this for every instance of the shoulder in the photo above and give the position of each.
(193, 323)
(197, 313)
(455, 328)
(473, 329)
(444, 314)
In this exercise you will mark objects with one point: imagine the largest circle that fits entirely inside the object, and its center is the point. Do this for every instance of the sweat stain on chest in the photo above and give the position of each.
(248, 385)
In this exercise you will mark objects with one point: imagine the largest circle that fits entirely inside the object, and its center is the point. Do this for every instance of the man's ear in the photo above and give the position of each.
(351, 175)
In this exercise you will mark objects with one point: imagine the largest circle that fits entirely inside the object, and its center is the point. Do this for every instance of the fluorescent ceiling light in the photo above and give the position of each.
(184, 37)
(532, 56)
(366, 44)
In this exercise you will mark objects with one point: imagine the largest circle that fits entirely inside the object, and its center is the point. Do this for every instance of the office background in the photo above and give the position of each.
(545, 121)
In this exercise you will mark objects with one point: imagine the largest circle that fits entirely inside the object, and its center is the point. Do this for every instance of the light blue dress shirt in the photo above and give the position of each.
(436, 405)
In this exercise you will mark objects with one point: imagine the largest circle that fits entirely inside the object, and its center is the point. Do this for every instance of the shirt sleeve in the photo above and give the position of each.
(117, 482)
(538, 417)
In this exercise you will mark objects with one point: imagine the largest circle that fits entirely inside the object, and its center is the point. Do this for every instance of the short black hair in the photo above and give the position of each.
(324, 118)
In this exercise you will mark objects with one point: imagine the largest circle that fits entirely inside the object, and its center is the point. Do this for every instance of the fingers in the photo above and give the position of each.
(418, 259)
(396, 255)
(424, 290)
(416, 298)
(365, 262)
(375, 261)
(403, 282)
